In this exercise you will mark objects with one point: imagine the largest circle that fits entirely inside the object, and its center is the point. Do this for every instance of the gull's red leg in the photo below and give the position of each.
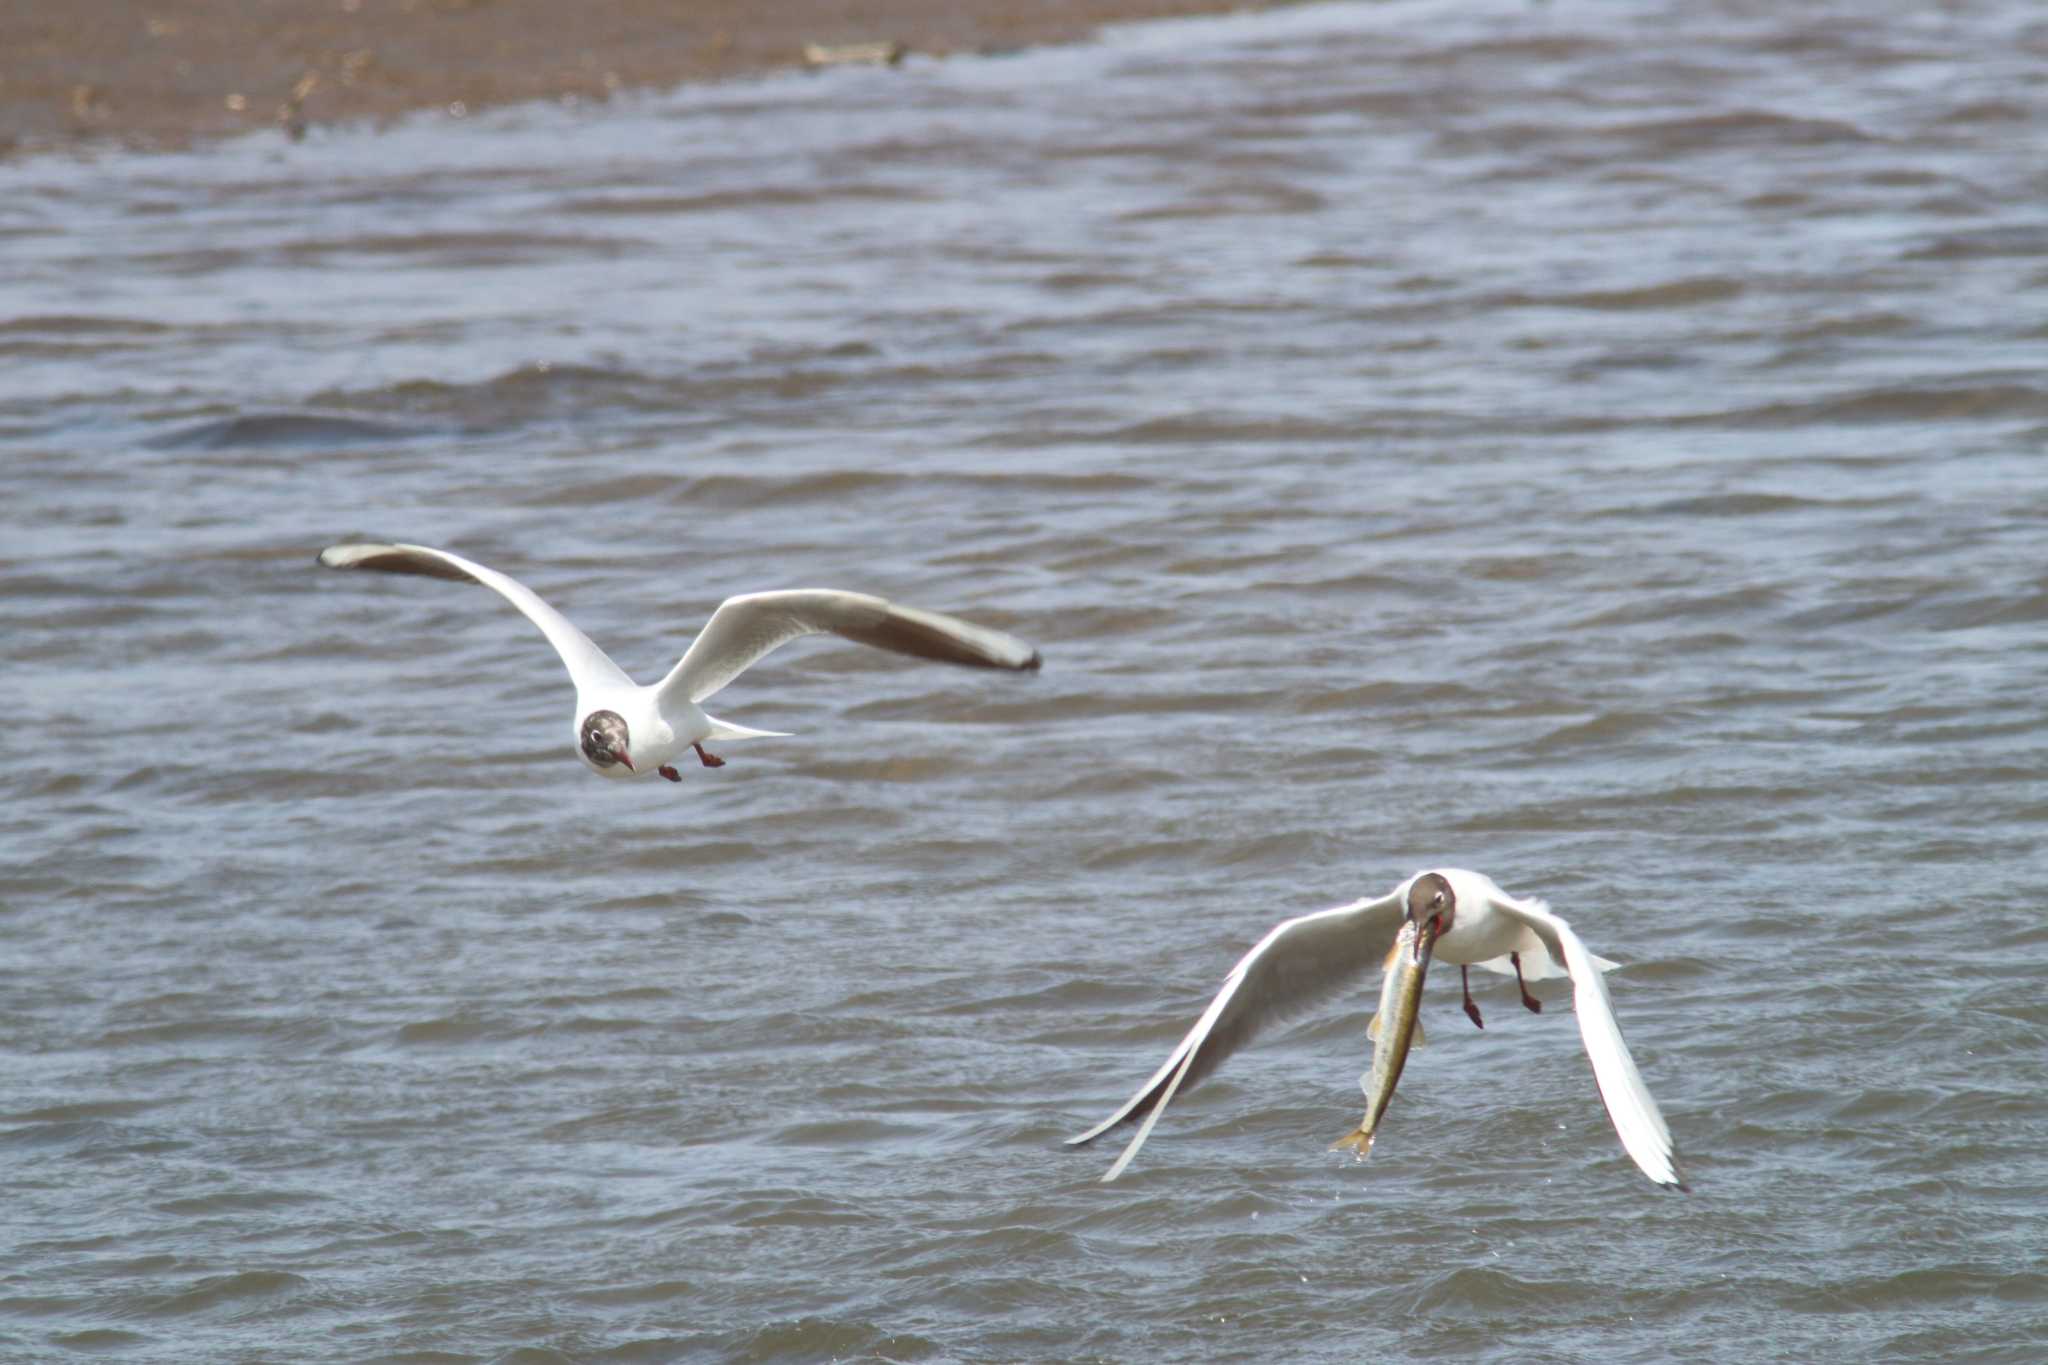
(1471, 1005)
(670, 773)
(709, 760)
(1534, 1005)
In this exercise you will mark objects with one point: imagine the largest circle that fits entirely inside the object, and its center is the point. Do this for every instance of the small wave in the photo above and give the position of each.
(819, 1339)
(85, 1110)
(1432, 698)
(1736, 505)
(626, 488)
(461, 249)
(2025, 242)
(636, 1121)
(71, 325)
(738, 491)
(597, 1024)
(1685, 606)
(1738, 129)
(1926, 403)
(1852, 325)
(1226, 201)
(1976, 611)
(1615, 727)
(458, 1029)
(864, 1133)
(742, 491)
(1120, 781)
(800, 1211)
(1673, 294)
(888, 769)
(1204, 428)
(1483, 1294)
(630, 1295)
(633, 993)
(217, 1291)
(283, 430)
(512, 396)
(214, 1028)
(660, 857)
(75, 1132)
(1348, 585)
(667, 901)
(734, 201)
(1926, 1287)
(230, 1201)
(99, 1340)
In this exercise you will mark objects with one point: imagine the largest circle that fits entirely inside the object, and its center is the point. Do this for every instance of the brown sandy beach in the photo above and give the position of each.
(161, 74)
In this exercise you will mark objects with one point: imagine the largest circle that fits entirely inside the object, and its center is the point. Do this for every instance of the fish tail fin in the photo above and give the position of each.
(1357, 1140)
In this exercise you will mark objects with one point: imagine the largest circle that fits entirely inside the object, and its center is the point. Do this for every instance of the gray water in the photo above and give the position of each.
(1596, 445)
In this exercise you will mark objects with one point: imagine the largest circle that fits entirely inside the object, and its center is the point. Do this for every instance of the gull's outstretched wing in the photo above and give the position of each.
(1300, 962)
(588, 666)
(1635, 1115)
(745, 628)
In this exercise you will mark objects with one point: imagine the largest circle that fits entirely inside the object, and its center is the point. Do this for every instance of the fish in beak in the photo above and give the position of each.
(1395, 1028)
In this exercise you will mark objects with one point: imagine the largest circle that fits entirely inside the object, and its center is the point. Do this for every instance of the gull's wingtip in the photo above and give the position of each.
(1083, 1139)
(1118, 1169)
(352, 554)
(398, 557)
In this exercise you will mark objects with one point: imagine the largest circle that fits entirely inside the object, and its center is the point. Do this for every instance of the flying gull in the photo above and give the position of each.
(626, 730)
(1477, 924)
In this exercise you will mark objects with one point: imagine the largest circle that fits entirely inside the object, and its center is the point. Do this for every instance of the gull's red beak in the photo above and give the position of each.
(627, 761)
(1425, 937)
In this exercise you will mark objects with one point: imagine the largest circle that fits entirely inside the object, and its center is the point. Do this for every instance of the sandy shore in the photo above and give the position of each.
(160, 76)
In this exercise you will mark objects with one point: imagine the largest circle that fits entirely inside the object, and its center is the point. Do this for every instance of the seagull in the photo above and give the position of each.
(625, 730)
(1311, 956)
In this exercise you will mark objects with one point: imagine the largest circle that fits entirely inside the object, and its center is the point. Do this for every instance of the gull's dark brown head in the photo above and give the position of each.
(603, 736)
(1430, 898)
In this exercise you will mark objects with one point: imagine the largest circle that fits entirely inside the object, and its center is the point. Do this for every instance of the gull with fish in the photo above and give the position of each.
(625, 730)
(1456, 915)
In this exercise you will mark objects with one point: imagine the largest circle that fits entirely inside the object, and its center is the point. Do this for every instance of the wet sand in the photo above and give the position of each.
(148, 77)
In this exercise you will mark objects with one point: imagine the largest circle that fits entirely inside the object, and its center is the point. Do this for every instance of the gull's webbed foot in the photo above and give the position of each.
(1471, 1005)
(669, 772)
(709, 760)
(1530, 1002)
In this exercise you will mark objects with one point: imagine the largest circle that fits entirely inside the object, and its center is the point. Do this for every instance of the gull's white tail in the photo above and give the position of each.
(725, 729)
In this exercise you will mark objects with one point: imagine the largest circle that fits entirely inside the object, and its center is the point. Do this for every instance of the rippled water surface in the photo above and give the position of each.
(1596, 445)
